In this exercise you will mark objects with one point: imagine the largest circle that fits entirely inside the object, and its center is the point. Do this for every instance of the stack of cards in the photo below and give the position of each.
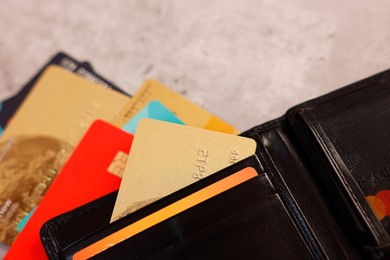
(66, 139)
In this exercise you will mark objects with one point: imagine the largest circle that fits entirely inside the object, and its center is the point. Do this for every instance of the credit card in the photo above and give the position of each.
(166, 157)
(43, 133)
(189, 113)
(24, 220)
(166, 212)
(85, 70)
(153, 110)
(91, 172)
(10, 105)
(380, 204)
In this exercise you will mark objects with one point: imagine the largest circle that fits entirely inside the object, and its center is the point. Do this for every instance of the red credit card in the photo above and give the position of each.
(92, 171)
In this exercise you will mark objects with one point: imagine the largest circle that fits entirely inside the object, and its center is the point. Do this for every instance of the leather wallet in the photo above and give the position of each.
(321, 167)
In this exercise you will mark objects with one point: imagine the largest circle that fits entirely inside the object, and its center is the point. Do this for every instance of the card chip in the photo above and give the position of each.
(118, 165)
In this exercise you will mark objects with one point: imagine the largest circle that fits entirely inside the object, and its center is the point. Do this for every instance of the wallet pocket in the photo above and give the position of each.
(345, 136)
(247, 221)
(262, 230)
(61, 232)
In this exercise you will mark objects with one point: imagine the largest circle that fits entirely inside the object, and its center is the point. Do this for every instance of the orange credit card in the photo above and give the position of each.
(166, 212)
(93, 170)
(188, 112)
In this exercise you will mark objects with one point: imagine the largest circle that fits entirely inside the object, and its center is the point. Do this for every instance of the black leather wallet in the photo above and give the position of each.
(318, 166)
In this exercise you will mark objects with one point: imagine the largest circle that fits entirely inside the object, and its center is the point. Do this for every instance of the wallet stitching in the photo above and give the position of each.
(51, 247)
(329, 153)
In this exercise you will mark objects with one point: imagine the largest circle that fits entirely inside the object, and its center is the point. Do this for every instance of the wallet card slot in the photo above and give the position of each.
(58, 233)
(263, 230)
(253, 204)
(193, 220)
(158, 212)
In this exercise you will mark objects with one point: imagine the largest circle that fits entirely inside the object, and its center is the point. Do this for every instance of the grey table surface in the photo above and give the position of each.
(246, 61)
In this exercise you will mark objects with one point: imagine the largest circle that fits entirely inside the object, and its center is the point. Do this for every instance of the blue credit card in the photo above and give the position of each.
(154, 110)
(24, 220)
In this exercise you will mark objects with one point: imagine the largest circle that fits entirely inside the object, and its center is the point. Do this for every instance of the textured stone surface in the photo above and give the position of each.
(246, 61)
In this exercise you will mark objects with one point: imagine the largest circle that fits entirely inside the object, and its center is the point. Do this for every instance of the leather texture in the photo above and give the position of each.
(345, 137)
(68, 228)
(241, 213)
(309, 200)
(302, 192)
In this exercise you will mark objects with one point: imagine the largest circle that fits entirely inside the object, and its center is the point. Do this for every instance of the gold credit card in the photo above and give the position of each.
(166, 157)
(189, 113)
(41, 136)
